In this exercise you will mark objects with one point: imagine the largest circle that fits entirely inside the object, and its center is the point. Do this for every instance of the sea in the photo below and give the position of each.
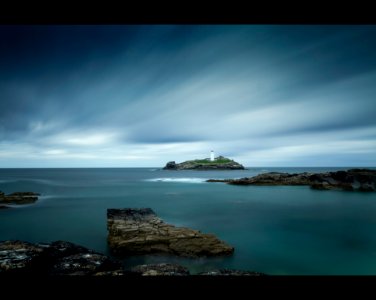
(276, 230)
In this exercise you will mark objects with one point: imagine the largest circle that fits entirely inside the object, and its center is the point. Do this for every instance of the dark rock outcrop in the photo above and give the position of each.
(220, 163)
(81, 264)
(171, 165)
(230, 272)
(351, 180)
(18, 256)
(18, 198)
(57, 258)
(140, 231)
(160, 269)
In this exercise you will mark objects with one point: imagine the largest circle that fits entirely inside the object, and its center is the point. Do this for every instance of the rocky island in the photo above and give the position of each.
(140, 231)
(350, 180)
(218, 163)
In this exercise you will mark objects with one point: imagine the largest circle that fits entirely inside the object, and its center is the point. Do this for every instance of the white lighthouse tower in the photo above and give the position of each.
(212, 156)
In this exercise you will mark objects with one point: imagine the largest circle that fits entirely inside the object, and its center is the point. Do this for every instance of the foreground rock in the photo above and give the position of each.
(140, 231)
(162, 269)
(18, 198)
(219, 163)
(351, 180)
(230, 272)
(65, 258)
(17, 256)
(57, 258)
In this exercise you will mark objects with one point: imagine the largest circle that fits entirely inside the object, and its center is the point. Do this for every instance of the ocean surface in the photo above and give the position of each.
(281, 230)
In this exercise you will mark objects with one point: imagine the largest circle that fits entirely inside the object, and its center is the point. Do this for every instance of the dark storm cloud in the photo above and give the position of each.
(138, 95)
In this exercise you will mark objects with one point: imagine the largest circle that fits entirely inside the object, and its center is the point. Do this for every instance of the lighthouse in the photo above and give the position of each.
(212, 156)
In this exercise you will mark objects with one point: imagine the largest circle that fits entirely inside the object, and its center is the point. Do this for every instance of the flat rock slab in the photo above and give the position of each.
(141, 231)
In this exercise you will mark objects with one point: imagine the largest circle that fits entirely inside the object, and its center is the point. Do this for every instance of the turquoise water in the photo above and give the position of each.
(275, 230)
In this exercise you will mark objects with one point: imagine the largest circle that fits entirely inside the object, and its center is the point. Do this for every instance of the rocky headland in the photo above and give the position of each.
(17, 198)
(219, 163)
(350, 180)
(141, 231)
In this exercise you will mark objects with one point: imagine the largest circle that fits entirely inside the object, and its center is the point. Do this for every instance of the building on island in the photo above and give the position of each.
(212, 156)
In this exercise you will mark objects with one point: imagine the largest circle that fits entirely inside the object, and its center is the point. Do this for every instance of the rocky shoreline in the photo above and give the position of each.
(140, 231)
(350, 180)
(61, 258)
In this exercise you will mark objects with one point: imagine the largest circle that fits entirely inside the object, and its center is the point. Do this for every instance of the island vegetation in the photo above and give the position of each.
(219, 163)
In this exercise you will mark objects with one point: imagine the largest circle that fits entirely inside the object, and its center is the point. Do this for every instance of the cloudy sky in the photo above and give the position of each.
(139, 96)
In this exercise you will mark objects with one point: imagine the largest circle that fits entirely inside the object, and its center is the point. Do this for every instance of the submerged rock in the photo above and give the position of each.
(219, 163)
(18, 198)
(351, 180)
(162, 269)
(140, 231)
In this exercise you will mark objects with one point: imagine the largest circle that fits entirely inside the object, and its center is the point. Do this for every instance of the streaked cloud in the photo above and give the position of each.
(132, 96)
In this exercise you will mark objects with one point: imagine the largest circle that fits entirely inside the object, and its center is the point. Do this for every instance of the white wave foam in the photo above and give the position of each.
(181, 180)
(7, 181)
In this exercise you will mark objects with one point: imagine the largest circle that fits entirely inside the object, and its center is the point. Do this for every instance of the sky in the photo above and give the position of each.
(143, 95)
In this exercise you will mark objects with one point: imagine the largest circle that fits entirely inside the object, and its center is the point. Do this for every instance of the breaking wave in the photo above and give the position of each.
(180, 180)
